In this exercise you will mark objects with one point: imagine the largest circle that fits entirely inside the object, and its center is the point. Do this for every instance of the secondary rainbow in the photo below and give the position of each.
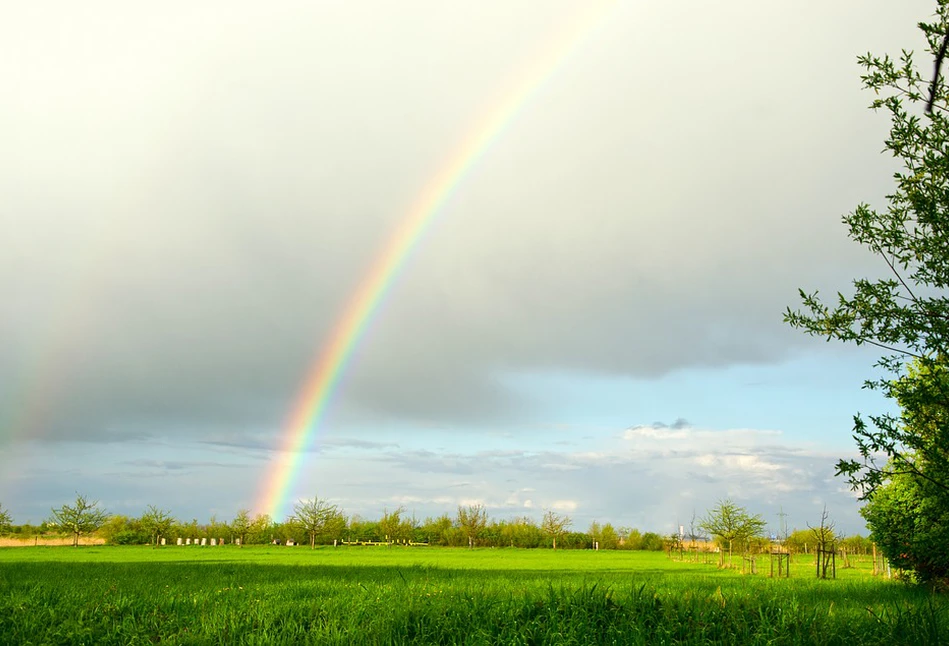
(323, 378)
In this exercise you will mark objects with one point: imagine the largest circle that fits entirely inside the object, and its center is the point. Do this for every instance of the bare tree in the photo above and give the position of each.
(84, 517)
(694, 536)
(555, 525)
(314, 517)
(824, 538)
(472, 519)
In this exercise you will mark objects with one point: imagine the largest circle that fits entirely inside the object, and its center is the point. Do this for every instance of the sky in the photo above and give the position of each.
(589, 322)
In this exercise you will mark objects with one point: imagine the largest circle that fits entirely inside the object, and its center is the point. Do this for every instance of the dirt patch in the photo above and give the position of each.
(48, 541)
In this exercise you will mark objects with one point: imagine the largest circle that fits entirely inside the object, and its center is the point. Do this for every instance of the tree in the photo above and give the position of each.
(856, 544)
(608, 538)
(122, 530)
(472, 521)
(554, 525)
(824, 540)
(261, 529)
(156, 522)
(523, 532)
(800, 541)
(731, 523)
(84, 517)
(391, 524)
(314, 517)
(241, 525)
(651, 541)
(823, 534)
(911, 526)
(215, 528)
(6, 521)
(436, 531)
(904, 457)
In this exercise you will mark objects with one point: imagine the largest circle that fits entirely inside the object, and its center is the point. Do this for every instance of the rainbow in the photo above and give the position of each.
(322, 380)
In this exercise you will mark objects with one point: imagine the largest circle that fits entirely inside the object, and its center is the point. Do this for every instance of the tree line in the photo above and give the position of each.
(726, 527)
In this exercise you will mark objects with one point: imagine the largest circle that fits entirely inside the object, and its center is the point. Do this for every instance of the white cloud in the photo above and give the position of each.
(564, 505)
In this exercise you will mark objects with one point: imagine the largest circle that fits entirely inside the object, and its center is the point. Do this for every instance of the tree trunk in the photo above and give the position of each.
(312, 541)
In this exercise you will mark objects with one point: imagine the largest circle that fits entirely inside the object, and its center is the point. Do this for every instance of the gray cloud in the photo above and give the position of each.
(192, 195)
(651, 478)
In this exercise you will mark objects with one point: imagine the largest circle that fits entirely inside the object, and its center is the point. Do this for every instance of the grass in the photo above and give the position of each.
(265, 595)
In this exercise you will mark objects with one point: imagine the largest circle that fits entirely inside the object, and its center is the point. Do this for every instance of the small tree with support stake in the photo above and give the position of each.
(826, 549)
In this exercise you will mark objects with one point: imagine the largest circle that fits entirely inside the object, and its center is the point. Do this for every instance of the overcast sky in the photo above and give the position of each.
(191, 193)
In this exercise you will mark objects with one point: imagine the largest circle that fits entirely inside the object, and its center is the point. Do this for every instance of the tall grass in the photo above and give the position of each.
(383, 596)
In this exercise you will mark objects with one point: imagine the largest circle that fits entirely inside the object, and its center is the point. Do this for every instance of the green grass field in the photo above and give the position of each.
(378, 595)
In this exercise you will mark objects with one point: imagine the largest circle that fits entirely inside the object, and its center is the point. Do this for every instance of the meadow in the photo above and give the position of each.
(379, 595)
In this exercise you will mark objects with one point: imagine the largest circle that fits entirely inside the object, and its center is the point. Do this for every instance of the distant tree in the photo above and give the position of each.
(609, 539)
(605, 536)
(261, 529)
(652, 541)
(630, 538)
(156, 523)
(595, 532)
(555, 525)
(241, 525)
(472, 521)
(361, 529)
(731, 523)
(799, 541)
(408, 527)
(6, 521)
(391, 525)
(436, 531)
(574, 541)
(118, 530)
(522, 532)
(314, 517)
(693, 534)
(856, 544)
(215, 528)
(84, 517)
(189, 529)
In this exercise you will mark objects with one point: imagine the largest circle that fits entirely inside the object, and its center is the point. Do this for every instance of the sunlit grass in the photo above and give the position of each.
(428, 595)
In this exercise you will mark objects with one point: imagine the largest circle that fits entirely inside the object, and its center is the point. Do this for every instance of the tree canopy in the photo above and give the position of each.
(84, 517)
(317, 517)
(5, 520)
(472, 521)
(157, 522)
(555, 525)
(903, 458)
(731, 523)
